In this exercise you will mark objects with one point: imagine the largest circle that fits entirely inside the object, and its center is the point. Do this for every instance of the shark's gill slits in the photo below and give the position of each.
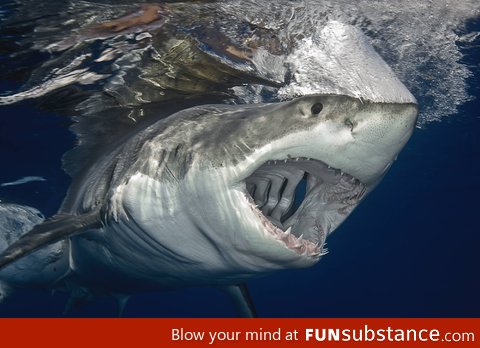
(300, 193)
(302, 200)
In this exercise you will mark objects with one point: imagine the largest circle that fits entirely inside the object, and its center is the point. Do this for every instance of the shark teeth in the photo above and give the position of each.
(295, 159)
(301, 246)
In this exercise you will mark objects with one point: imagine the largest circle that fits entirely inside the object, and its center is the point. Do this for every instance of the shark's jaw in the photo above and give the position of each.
(300, 201)
(297, 202)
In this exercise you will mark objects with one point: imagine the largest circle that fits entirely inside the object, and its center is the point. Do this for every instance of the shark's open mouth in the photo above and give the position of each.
(300, 201)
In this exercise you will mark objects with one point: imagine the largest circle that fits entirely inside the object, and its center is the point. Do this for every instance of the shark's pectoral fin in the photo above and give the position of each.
(242, 300)
(56, 228)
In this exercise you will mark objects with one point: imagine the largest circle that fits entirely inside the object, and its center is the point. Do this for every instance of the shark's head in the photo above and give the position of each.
(248, 189)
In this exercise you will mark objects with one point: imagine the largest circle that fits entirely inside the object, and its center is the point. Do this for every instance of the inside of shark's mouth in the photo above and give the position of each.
(301, 201)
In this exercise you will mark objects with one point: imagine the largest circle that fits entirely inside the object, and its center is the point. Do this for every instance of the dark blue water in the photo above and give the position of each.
(412, 248)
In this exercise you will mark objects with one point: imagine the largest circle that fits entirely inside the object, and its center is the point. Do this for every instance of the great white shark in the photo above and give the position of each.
(206, 195)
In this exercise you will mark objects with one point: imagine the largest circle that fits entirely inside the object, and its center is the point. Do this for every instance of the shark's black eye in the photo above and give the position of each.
(316, 108)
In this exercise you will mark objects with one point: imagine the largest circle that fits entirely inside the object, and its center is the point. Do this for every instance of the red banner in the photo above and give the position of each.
(66, 333)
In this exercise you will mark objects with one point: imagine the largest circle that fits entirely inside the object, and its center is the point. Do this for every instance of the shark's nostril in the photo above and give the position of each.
(349, 123)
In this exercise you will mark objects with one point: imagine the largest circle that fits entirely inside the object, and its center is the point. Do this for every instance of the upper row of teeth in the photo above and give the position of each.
(296, 159)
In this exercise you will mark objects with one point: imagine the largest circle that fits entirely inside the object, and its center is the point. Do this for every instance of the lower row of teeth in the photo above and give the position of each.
(299, 245)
